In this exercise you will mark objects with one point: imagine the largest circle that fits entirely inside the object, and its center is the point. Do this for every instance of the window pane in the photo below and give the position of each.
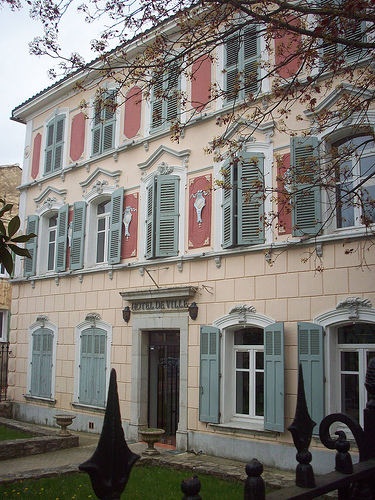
(101, 224)
(248, 336)
(367, 166)
(349, 361)
(350, 395)
(259, 360)
(242, 360)
(104, 207)
(369, 356)
(242, 393)
(356, 334)
(100, 247)
(259, 394)
(52, 221)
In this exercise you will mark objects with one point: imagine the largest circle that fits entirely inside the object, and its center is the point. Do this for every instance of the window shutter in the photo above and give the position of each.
(150, 216)
(209, 388)
(167, 213)
(172, 101)
(49, 148)
(59, 141)
(109, 123)
(41, 369)
(250, 199)
(274, 377)
(157, 102)
(310, 355)
(251, 55)
(92, 375)
(231, 76)
(306, 203)
(62, 236)
(31, 245)
(78, 235)
(229, 200)
(117, 200)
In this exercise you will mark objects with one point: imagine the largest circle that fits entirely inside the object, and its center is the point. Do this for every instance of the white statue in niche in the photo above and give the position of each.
(200, 203)
(127, 219)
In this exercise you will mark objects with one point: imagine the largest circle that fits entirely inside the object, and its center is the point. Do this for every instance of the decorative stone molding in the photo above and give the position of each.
(92, 318)
(115, 175)
(218, 262)
(353, 303)
(180, 266)
(182, 156)
(99, 186)
(46, 200)
(42, 320)
(242, 310)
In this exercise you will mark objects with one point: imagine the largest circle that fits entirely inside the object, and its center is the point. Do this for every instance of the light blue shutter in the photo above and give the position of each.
(41, 364)
(78, 235)
(54, 144)
(310, 355)
(62, 236)
(97, 130)
(93, 367)
(232, 47)
(59, 142)
(306, 203)
(49, 147)
(117, 202)
(109, 122)
(251, 67)
(172, 89)
(150, 217)
(229, 202)
(250, 199)
(274, 377)
(209, 388)
(167, 215)
(157, 102)
(31, 245)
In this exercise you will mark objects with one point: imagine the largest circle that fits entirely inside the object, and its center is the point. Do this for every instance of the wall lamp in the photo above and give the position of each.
(126, 314)
(193, 311)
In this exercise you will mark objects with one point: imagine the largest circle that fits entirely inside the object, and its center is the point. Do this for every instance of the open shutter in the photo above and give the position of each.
(231, 66)
(229, 201)
(62, 236)
(209, 388)
(109, 122)
(150, 217)
(59, 142)
(31, 245)
(306, 213)
(49, 148)
(251, 55)
(117, 201)
(172, 101)
(250, 183)
(167, 215)
(97, 130)
(78, 235)
(310, 355)
(157, 102)
(274, 377)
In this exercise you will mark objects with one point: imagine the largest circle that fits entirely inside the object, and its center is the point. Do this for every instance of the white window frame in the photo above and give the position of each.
(42, 322)
(45, 212)
(90, 322)
(52, 230)
(106, 217)
(63, 112)
(4, 317)
(228, 324)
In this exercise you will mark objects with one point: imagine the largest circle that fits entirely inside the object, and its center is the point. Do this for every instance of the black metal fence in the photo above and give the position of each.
(110, 466)
(4, 356)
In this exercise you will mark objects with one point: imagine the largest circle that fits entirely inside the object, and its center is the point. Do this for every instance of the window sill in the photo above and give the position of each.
(255, 428)
(91, 408)
(37, 399)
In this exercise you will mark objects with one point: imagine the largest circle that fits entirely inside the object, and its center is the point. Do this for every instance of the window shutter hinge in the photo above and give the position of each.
(324, 379)
(220, 375)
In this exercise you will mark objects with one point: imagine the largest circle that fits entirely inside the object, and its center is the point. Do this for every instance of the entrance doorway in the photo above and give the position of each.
(164, 382)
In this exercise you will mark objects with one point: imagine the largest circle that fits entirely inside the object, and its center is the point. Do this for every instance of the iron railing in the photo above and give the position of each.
(4, 356)
(110, 466)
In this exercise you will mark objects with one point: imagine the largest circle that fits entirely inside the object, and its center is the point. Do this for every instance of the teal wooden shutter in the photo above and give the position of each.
(167, 215)
(41, 363)
(172, 89)
(251, 55)
(31, 245)
(310, 356)
(117, 201)
(49, 148)
(231, 68)
(157, 102)
(109, 122)
(97, 130)
(209, 388)
(54, 145)
(62, 237)
(250, 183)
(306, 202)
(150, 217)
(274, 377)
(229, 202)
(92, 374)
(78, 235)
(59, 142)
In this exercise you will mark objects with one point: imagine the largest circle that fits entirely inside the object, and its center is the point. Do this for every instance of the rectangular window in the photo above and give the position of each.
(54, 144)
(103, 213)
(165, 99)
(242, 64)
(243, 205)
(52, 233)
(41, 363)
(104, 123)
(92, 374)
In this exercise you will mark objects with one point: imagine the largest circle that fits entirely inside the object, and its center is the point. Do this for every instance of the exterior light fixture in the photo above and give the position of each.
(126, 314)
(193, 311)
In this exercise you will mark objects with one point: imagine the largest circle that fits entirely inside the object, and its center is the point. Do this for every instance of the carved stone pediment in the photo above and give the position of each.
(352, 304)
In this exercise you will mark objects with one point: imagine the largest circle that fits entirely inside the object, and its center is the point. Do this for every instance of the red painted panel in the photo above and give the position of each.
(133, 109)
(201, 83)
(200, 224)
(70, 221)
(77, 140)
(284, 208)
(287, 44)
(130, 227)
(36, 156)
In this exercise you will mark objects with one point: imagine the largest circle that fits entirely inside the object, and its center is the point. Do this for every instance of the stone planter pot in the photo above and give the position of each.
(64, 421)
(151, 436)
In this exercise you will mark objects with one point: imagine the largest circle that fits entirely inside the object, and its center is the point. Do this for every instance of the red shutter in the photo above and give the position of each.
(287, 44)
(200, 232)
(36, 156)
(133, 109)
(77, 139)
(201, 83)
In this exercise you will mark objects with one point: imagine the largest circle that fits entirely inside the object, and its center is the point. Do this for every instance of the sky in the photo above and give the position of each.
(23, 75)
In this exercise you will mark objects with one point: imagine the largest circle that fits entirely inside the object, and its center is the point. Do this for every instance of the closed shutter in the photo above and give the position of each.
(59, 142)
(310, 356)
(150, 216)
(78, 235)
(31, 245)
(251, 66)
(167, 214)
(41, 365)
(157, 102)
(229, 203)
(92, 374)
(274, 377)
(109, 123)
(306, 206)
(209, 388)
(231, 66)
(62, 236)
(49, 148)
(172, 100)
(54, 145)
(250, 195)
(117, 200)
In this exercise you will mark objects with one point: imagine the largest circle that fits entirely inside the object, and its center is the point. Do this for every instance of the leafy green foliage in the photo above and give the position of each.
(8, 239)
(10, 433)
